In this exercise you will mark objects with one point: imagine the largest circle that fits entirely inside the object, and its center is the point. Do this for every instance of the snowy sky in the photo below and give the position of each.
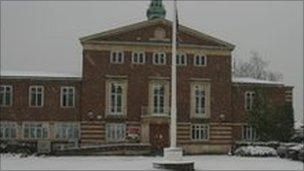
(43, 36)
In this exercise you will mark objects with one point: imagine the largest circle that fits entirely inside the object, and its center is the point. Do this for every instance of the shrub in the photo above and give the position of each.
(255, 151)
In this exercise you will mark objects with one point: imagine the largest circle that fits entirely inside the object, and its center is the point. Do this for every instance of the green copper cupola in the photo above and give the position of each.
(156, 10)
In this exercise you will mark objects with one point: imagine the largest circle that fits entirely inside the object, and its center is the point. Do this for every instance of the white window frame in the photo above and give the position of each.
(201, 57)
(113, 108)
(4, 95)
(67, 99)
(158, 110)
(199, 110)
(36, 87)
(159, 54)
(112, 133)
(34, 126)
(136, 57)
(11, 127)
(200, 129)
(63, 130)
(249, 133)
(179, 57)
(250, 95)
(114, 59)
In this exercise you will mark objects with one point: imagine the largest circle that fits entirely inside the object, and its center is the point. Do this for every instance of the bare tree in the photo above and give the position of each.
(256, 67)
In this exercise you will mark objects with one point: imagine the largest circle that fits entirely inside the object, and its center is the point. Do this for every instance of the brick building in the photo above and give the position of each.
(123, 95)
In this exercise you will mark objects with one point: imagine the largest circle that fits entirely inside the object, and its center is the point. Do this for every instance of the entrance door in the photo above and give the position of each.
(159, 136)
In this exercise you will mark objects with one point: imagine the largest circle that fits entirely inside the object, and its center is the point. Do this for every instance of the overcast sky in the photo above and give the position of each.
(43, 36)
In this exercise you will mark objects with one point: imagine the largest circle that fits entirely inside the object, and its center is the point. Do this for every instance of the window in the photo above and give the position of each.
(36, 96)
(249, 133)
(200, 60)
(249, 97)
(35, 130)
(138, 57)
(8, 130)
(159, 58)
(200, 132)
(158, 99)
(116, 97)
(181, 59)
(199, 100)
(117, 57)
(115, 132)
(6, 94)
(67, 97)
(66, 130)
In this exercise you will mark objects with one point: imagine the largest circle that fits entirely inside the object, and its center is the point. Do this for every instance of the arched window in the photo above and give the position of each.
(181, 59)
(159, 58)
(200, 60)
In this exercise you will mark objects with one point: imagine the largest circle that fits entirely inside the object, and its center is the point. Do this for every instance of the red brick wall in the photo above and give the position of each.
(275, 96)
(51, 111)
(96, 65)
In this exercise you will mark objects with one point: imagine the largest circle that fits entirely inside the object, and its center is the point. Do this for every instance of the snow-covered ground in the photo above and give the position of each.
(202, 162)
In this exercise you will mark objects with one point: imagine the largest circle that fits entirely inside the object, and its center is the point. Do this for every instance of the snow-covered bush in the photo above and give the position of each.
(273, 144)
(257, 151)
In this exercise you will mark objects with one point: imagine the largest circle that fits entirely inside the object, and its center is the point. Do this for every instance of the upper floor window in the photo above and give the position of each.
(249, 97)
(117, 57)
(36, 96)
(181, 59)
(6, 94)
(249, 133)
(35, 130)
(116, 97)
(116, 132)
(158, 99)
(200, 60)
(67, 97)
(159, 58)
(8, 130)
(200, 132)
(66, 130)
(138, 57)
(200, 100)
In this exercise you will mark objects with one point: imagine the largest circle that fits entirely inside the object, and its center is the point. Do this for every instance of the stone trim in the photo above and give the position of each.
(116, 76)
(148, 23)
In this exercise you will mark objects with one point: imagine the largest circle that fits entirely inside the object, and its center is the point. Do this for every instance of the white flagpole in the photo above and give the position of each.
(173, 82)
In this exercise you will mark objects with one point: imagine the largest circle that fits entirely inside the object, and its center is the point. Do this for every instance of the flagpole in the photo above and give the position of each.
(173, 81)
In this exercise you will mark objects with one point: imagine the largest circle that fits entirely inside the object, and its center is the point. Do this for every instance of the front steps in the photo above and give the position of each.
(92, 133)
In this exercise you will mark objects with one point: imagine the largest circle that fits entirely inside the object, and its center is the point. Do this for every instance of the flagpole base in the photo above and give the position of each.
(173, 160)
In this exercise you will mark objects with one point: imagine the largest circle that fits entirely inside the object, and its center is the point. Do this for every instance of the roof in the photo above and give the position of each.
(147, 23)
(37, 74)
(249, 80)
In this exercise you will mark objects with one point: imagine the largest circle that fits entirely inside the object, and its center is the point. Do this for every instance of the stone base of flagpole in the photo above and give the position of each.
(173, 160)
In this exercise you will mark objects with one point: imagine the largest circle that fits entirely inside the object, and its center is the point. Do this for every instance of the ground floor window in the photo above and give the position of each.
(35, 130)
(116, 132)
(8, 130)
(66, 130)
(249, 133)
(200, 132)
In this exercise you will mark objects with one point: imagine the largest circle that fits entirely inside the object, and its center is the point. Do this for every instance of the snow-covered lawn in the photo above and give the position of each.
(202, 162)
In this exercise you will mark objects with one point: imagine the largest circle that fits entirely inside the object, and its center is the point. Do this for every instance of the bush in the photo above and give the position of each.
(255, 151)
(18, 148)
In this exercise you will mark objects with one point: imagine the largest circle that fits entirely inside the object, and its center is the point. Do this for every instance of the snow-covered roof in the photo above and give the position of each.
(254, 81)
(41, 74)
